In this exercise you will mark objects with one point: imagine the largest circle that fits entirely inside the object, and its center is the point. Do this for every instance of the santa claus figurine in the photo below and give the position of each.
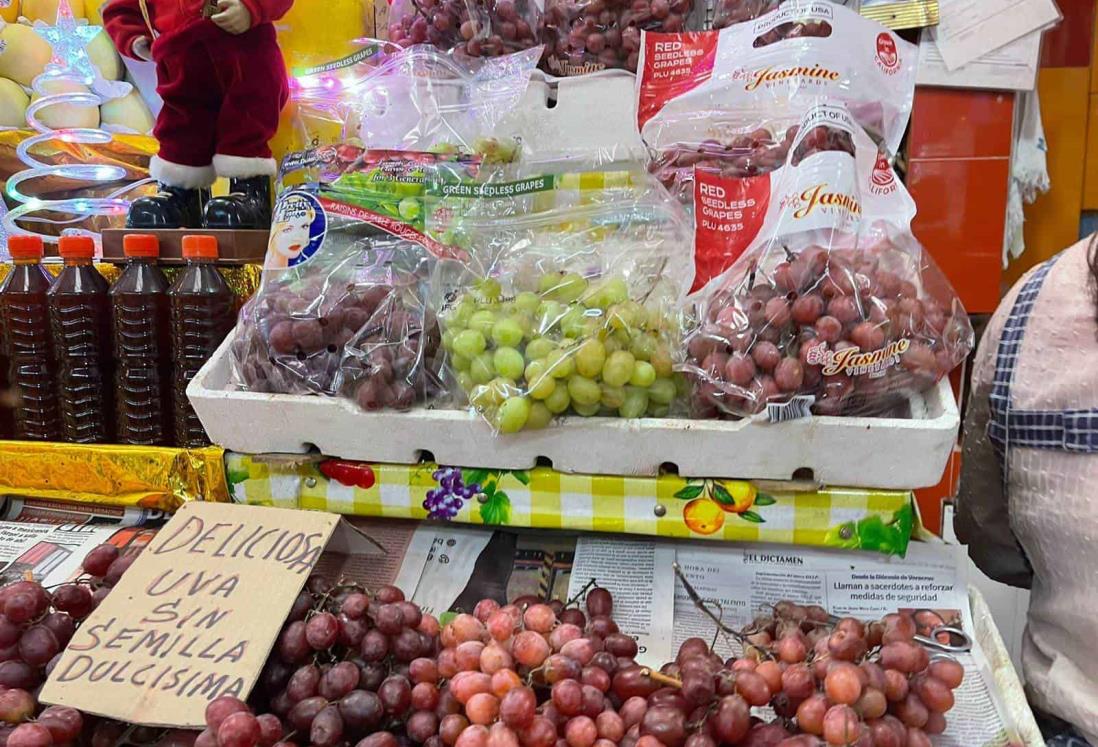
(223, 82)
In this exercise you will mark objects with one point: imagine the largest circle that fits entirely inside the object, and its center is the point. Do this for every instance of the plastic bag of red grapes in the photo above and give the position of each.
(342, 306)
(585, 36)
(473, 28)
(729, 12)
(725, 100)
(834, 308)
(417, 99)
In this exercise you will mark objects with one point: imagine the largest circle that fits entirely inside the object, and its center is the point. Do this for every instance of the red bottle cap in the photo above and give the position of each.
(140, 245)
(199, 247)
(25, 247)
(76, 247)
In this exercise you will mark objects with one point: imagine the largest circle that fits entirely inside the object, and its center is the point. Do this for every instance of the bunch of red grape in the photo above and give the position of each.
(730, 12)
(371, 343)
(590, 35)
(477, 28)
(849, 683)
(849, 327)
(35, 626)
(751, 154)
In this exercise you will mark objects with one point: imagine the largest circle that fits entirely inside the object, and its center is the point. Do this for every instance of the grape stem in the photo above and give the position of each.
(700, 604)
(660, 677)
(582, 592)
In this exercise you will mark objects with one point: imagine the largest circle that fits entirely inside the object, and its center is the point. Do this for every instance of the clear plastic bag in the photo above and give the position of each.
(585, 36)
(474, 28)
(342, 306)
(835, 307)
(729, 12)
(775, 70)
(569, 302)
(416, 99)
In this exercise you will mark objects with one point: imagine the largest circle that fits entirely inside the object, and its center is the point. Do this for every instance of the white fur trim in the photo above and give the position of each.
(178, 175)
(243, 168)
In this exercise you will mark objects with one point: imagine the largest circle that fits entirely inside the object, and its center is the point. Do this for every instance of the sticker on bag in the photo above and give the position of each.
(783, 62)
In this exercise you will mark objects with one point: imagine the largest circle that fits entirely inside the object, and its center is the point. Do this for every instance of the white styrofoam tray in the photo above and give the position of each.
(857, 452)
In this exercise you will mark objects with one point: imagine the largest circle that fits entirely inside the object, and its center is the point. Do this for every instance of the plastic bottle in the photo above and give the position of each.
(202, 314)
(80, 320)
(142, 354)
(25, 319)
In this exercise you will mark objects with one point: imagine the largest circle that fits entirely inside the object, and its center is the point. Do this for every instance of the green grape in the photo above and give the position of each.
(590, 357)
(513, 414)
(657, 411)
(612, 345)
(574, 323)
(613, 397)
(483, 321)
(621, 317)
(490, 289)
(409, 209)
(559, 400)
(538, 382)
(561, 365)
(642, 346)
(549, 315)
(482, 369)
(539, 348)
(662, 391)
(587, 411)
(644, 374)
(611, 292)
(569, 287)
(465, 381)
(661, 361)
(525, 322)
(459, 317)
(539, 416)
(448, 339)
(493, 393)
(618, 368)
(682, 385)
(509, 362)
(527, 301)
(636, 402)
(507, 333)
(583, 391)
(469, 343)
(459, 362)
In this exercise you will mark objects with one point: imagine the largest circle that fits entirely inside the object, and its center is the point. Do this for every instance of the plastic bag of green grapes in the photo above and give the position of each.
(568, 303)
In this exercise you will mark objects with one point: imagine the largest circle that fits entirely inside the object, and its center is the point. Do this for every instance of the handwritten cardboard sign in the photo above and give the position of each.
(194, 617)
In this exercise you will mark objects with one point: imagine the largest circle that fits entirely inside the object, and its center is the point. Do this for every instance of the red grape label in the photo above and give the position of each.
(853, 362)
(773, 70)
(728, 214)
(673, 64)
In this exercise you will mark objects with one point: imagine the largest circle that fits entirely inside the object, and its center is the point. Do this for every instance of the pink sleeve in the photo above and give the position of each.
(266, 11)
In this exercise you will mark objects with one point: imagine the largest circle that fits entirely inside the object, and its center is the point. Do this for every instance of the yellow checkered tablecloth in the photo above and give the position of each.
(665, 506)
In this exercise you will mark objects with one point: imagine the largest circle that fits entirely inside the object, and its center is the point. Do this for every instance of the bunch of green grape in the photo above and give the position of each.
(569, 346)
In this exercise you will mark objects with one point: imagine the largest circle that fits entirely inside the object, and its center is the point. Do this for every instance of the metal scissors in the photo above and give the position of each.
(958, 641)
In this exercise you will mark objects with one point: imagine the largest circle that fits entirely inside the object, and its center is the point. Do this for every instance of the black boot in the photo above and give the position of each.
(247, 206)
(170, 207)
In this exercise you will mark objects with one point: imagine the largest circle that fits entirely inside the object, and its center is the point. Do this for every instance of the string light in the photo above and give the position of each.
(70, 63)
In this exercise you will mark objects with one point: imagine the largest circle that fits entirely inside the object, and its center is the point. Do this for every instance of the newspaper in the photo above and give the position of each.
(446, 567)
(640, 578)
(931, 580)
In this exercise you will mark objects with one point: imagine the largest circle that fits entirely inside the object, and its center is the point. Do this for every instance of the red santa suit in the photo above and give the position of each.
(222, 93)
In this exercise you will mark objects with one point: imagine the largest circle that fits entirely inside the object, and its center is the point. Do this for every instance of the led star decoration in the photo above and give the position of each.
(69, 41)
